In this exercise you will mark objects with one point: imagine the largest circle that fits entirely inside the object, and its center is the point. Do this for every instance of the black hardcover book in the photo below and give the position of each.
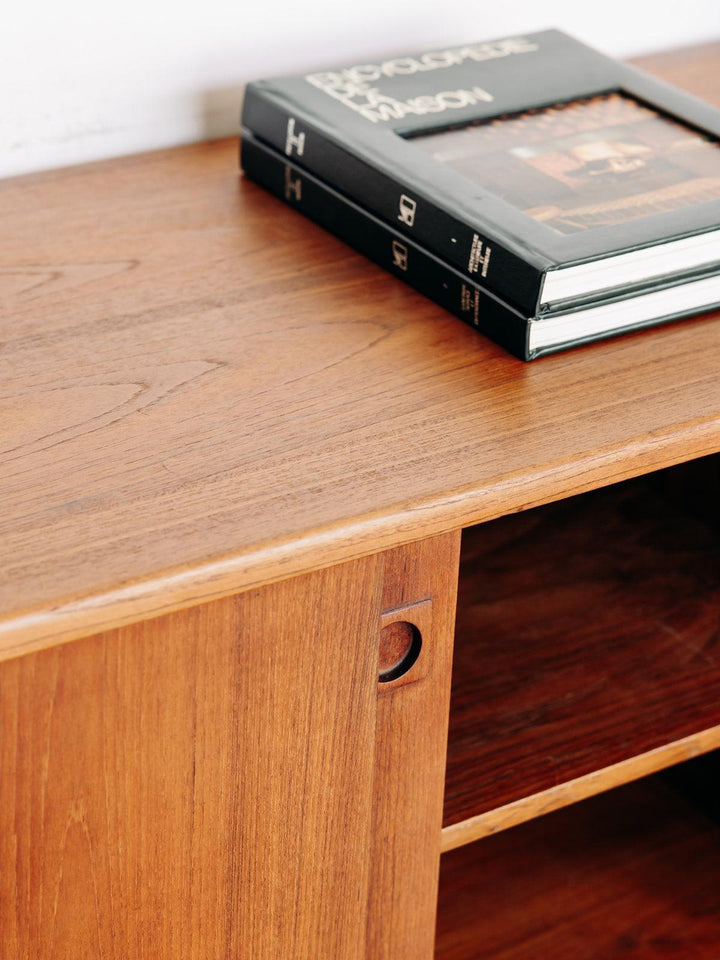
(526, 337)
(546, 172)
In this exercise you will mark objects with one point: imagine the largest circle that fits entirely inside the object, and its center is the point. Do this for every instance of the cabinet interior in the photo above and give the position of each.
(587, 659)
(631, 873)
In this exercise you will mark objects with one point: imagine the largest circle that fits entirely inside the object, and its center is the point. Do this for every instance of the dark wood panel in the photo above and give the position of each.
(631, 875)
(588, 631)
(203, 392)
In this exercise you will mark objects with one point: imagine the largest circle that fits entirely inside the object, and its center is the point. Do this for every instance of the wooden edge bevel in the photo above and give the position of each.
(55, 622)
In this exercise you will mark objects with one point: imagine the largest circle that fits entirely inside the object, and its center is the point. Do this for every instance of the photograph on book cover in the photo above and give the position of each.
(597, 161)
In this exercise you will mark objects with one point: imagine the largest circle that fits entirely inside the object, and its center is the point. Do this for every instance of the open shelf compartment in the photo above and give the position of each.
(587, 648)
(633, 873)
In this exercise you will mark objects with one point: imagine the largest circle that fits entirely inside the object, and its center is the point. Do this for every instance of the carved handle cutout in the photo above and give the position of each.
(405, 635)
(400, 645)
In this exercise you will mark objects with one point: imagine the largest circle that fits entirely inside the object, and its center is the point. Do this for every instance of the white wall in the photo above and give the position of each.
(85, 79)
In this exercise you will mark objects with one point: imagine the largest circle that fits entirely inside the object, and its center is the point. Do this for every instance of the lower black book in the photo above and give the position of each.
(525, 337)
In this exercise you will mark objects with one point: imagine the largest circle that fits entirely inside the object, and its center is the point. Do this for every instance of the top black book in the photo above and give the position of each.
(544, 170)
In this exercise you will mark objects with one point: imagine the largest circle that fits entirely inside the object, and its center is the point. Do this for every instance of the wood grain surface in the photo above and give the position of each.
(232, 780)
(588, 636)
(410, 749)
(632, 874)
(203, 392)
(568, 792)
(198, 786)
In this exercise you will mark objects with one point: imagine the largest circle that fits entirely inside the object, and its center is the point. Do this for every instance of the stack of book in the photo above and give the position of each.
(543, 192)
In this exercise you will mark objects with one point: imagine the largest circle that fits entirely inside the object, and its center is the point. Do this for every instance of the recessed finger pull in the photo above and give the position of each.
(400, 645)
(404, 650)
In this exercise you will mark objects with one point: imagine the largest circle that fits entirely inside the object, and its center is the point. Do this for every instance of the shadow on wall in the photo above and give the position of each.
(219, 111)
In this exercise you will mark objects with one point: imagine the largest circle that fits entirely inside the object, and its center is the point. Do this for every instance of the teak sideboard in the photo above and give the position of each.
(247, 478)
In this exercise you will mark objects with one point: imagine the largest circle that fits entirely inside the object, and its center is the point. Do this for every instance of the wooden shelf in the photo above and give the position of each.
(587, 650)
(631, 874)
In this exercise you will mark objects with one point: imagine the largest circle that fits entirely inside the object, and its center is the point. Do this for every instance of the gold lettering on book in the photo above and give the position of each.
(407, 208)
(479, 256)
(400, 255)
(354, 86)
(470, 301)
(296, 140)
(293, 186)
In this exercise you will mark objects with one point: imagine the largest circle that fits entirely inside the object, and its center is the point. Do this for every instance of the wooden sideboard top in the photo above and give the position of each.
(203, 392)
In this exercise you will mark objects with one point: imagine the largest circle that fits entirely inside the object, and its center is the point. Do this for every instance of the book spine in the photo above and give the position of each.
(480, 257)
(385, 246)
